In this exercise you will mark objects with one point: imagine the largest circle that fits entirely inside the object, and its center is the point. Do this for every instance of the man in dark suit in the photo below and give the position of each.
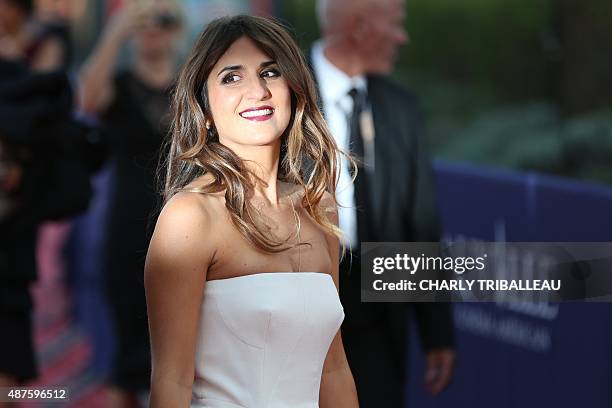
(392, 198)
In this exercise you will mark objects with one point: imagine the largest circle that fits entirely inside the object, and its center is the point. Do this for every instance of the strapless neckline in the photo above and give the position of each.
(263, 275)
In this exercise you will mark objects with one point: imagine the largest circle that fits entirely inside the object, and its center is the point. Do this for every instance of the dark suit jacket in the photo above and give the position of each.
(402, 207)
(403, 204)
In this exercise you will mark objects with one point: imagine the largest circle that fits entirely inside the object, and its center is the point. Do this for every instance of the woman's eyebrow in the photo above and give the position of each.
(230, 68)
(239, 67)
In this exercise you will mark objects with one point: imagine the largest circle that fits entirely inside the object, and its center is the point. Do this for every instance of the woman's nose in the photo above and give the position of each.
(258, 89)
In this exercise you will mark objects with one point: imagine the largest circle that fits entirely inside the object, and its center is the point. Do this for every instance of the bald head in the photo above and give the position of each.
(332, 13)
(366, 32)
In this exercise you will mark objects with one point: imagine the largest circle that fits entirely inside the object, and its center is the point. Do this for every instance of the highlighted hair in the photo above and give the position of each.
(309, 154)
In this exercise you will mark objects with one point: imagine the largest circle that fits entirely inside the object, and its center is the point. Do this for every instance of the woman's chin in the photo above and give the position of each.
(265, 140)
(253, 139)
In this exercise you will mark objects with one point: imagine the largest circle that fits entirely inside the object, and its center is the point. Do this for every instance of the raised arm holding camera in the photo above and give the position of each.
(132, 104)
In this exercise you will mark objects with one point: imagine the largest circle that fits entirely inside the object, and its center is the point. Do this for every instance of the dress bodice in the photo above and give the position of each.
(263, 339)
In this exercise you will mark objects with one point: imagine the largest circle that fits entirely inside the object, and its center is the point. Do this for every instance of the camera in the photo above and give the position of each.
(166, 20)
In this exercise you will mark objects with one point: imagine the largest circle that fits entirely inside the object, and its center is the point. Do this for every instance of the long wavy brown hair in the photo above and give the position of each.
(309, 155)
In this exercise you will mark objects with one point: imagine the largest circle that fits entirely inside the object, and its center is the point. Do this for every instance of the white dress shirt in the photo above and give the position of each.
(334, 86)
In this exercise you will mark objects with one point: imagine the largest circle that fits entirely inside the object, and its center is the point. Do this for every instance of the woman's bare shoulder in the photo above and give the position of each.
(329, 206)
(191, 210)
(328, 200)
(328, 203)
(183, 232)
(194, 196)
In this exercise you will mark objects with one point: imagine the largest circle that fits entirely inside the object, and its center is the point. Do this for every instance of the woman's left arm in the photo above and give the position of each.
(337, 384)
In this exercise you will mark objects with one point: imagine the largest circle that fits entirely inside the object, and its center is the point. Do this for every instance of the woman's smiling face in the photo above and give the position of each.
(249, 99)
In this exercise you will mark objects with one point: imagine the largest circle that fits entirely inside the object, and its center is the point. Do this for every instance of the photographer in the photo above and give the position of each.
(132, 106)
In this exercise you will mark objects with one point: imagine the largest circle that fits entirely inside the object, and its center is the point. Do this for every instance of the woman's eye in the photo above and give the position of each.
(270, 73)
(229, 78)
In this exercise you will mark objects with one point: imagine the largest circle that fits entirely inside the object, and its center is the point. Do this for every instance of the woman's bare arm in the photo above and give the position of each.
(175, 274)
(337, 383)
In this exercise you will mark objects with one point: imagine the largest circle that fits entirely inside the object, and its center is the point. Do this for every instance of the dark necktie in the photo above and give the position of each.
(357, 150)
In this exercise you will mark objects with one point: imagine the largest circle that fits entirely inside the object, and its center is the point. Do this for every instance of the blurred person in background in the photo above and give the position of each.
(43, 46)
(132, 105)
(379, 122)
(44, 173)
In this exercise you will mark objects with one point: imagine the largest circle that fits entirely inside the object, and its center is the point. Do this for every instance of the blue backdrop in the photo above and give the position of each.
(523, 355)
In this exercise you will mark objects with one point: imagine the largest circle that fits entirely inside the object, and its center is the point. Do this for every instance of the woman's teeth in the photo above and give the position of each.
(260, 112)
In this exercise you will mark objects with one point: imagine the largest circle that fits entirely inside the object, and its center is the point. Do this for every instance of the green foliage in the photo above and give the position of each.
(497, 43)
(301, 15)
(533, 136)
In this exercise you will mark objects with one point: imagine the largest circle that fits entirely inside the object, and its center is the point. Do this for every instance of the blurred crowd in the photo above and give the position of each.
(58, 128)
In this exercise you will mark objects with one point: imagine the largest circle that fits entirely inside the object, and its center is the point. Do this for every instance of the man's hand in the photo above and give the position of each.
(439, 367)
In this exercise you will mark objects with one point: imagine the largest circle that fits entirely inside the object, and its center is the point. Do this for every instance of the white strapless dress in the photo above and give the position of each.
(263, 339)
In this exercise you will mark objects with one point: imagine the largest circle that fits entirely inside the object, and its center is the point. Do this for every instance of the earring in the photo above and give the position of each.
(207, 125)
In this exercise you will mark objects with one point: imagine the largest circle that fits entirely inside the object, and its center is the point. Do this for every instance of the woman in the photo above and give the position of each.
(241, 275)
(133, 107)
